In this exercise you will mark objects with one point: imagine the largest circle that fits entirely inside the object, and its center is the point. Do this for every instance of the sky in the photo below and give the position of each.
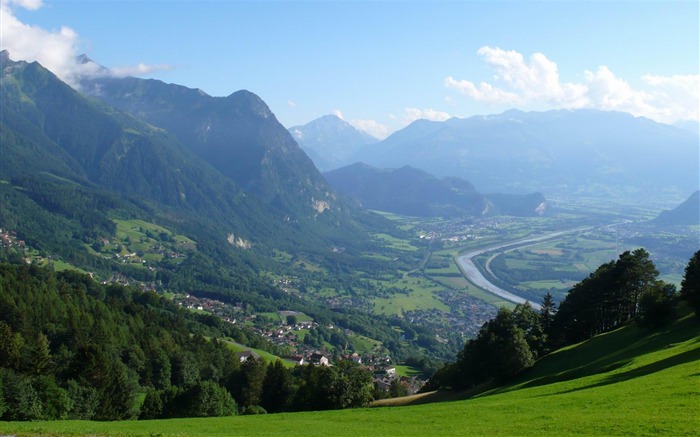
(382, 64)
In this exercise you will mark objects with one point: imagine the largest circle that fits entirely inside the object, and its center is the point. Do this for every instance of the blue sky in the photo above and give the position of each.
(384, 64)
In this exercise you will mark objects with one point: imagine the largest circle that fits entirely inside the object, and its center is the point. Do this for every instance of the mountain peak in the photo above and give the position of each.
(83, 59)
(331, 141)
(251, 101)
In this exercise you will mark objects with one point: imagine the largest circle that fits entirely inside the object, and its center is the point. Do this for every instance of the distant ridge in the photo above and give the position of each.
(414, 192)
(562, 152)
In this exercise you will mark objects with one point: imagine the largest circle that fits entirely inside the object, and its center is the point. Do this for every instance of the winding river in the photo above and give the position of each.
(473, 274)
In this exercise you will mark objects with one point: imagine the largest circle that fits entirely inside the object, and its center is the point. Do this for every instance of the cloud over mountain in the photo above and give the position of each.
(57, 50)
(522, 82)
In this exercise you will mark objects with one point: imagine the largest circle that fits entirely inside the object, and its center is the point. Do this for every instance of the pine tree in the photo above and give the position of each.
(276, 388)
(690, 287)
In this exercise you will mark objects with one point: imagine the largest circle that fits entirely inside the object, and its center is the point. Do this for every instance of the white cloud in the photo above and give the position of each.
(31, 5)
(372, 127)
(291, 103)
(678, 95)
(55, 50)
(338, 113)
(483, 93)
(537, 82)
(413, 114)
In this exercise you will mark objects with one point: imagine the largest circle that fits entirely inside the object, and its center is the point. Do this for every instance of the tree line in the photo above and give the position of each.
(618, 292)
(71, 348)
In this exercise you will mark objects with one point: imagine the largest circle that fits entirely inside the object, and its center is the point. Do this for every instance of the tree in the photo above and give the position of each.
(529, 321)
(208, 399)
(291, 320)
(10, 346)
(635, 275)
(398, 388)
(656, 306)
(84, 401)
(252, 375)
(38, 357)
(500, 351)
(547, 311)
(3, 407)
(185, 370)
(117, 395)
(607, 298)
(276, 388)
(690, 286)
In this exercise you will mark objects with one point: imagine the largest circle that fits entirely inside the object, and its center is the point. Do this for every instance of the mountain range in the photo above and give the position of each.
(220, 170)
(330, 141)
(560, 152)
(413, 192)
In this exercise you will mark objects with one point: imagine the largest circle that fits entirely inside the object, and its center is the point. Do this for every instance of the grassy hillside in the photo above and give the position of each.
(626, 382)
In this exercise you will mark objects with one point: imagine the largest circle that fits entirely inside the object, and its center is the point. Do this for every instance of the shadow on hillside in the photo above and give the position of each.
(683, 358)
(607, 352)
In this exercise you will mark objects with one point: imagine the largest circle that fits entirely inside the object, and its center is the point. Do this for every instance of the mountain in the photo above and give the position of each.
(54, 134)
(72, 166)
(331, 141)
(413, 192)
(563, 152)
(685, 214)
(239, 136)
(80, 163)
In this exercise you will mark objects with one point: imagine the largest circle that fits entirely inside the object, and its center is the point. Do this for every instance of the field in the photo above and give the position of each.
(627, 382)
(419, 295)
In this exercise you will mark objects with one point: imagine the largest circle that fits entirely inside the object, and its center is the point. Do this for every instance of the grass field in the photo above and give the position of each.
(420, 296)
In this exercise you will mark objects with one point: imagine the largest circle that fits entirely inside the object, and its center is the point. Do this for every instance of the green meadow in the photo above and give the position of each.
(623, 383)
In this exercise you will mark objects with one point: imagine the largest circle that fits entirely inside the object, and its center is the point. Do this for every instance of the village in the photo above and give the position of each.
(288, 333)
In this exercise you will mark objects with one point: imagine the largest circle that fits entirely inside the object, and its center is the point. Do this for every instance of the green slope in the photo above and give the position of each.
(626, 382)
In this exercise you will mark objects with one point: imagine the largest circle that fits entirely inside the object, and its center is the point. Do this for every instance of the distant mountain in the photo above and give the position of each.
(564, 152)
(330, 142)
(413, 192)
(685, 214)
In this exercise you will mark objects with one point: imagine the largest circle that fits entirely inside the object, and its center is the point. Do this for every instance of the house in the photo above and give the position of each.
(246, 355)
(319, 359)
(296, 359)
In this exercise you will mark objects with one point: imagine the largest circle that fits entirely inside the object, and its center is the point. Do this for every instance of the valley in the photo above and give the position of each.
(167, 253)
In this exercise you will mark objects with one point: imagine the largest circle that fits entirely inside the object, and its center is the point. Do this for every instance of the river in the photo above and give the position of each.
(474, 275)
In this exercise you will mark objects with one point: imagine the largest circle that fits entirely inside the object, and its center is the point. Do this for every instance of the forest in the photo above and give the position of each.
(71, 348)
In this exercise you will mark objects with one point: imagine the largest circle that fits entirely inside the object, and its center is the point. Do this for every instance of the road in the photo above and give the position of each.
(472, 273)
